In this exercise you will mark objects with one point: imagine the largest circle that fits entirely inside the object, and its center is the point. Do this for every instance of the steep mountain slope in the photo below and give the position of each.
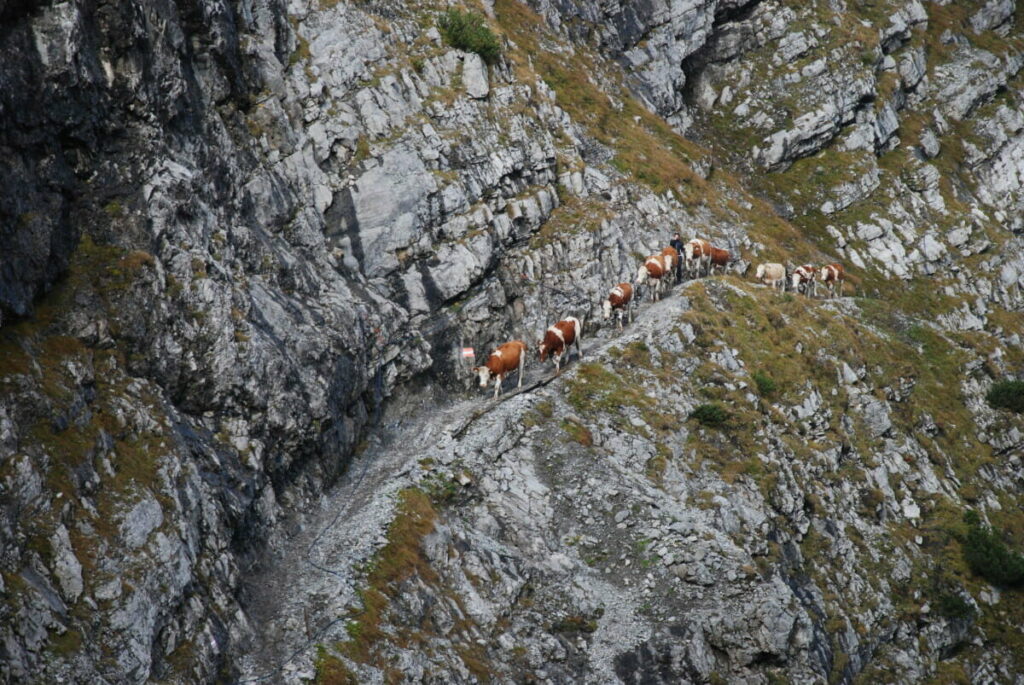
(590, 531)
(232, 230)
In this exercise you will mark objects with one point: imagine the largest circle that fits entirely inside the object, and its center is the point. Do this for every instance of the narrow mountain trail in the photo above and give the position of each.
(301, 598)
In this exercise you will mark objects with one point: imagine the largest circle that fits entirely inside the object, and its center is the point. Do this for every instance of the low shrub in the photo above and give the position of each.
(711, 415)
(1007, 395)
(953, 606)
(765, 384)
(467, 31)
(989, 557)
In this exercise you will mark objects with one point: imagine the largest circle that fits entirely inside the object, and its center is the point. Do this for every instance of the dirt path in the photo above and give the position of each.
(300, 598)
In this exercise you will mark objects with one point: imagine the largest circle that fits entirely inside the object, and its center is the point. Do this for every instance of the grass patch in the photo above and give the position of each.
(330, 670)
(656, 466)
(67, 643)
(574, 624)
(578, 432)
(571, 217)
(400, 559)
(595, 388)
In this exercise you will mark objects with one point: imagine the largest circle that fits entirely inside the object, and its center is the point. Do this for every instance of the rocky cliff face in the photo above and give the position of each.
(231, 231)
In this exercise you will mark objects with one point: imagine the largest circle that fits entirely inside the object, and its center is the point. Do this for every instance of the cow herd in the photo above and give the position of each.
(657, 270)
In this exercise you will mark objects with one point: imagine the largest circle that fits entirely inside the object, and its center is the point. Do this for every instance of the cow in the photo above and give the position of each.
(772, 274)
(559, 338)
(832, 275)
(696, 251)
(671, 257)
(618, 300)
(652, 269)
(717, 257)
(503, 361)
(803, 277)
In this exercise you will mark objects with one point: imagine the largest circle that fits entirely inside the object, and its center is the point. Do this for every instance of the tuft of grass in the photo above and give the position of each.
(712, 415)
(330, 670)
(1007, 395)
(468, 31)
(440, 489)
(574, 624)
(578, 432)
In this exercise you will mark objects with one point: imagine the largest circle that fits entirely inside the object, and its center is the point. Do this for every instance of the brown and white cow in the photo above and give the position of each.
(697, 252)
(671, 258)
(832, 275)
(503, 361)
(718, 257)
(559, 338)
(772, 274)
(653, 269)
(803, 278)
(619, 300)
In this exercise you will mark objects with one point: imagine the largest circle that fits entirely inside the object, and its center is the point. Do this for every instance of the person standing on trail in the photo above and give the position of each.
(677, 243)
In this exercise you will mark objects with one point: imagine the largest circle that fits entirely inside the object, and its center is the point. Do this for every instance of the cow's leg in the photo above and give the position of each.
(629, 310)
(558, 365)
(522, 365)
(497, 384)
(579, 350)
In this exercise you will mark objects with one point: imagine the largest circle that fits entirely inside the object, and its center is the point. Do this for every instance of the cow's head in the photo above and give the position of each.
(760, 272)
(484, 374)
(641, 274)
(688, 250)
(606, 307)
(543, 349)
(796, 280)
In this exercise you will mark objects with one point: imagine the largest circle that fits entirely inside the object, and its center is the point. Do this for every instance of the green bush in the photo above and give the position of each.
(765, 384)
(467, 31)
(953, 606)
(1007, 395)
(988, 555)
(711, 415)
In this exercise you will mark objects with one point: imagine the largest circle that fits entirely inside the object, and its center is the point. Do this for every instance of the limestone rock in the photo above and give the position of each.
(474, 76)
